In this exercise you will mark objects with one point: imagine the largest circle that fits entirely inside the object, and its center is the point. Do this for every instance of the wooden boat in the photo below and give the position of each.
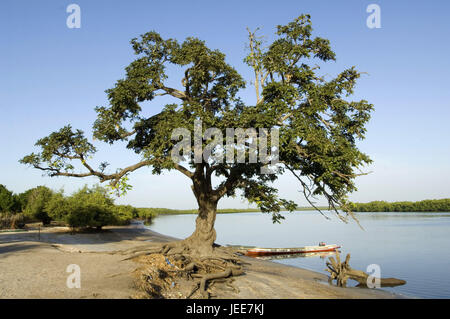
(321, 255)
(256, 251)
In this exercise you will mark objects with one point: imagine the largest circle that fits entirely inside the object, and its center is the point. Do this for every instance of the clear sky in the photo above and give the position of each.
(52, 76)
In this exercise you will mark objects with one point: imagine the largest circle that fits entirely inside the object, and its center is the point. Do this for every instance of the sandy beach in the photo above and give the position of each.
(33, 265)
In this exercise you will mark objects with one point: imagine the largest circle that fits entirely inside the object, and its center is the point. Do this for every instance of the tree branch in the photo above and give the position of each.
(229, 184)
(183, 170)
(174, 92)
(105, 177)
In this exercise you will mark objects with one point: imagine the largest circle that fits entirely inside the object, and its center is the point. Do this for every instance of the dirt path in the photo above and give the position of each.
(32, 268)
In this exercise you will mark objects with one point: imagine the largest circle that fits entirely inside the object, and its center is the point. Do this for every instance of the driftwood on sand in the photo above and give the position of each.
(341, 272)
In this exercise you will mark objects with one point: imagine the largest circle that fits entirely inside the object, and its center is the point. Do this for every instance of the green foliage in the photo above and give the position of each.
(318, 126)
(57, 207)
(430, 205)
(148, 214)
(6, 200)
(123, 214)
(21, 200)
(87, 208)
(37, 200)
(121, 187)
(13, 203)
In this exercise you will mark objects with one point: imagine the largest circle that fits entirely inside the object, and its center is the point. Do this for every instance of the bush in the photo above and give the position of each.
(13, 203)
(88, 207)
(21, 201)
(36, 203)
(85, 208)
(147, 214)
(6, 200)
(57, 207)
(123, 214)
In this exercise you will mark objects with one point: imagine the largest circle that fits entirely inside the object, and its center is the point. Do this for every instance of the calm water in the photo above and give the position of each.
(410, 246)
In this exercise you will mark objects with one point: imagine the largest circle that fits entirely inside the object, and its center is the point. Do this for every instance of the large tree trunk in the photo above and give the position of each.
(202, 239)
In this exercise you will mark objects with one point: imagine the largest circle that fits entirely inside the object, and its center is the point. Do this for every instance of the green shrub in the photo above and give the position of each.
(123, 214)
(86, 208)
(147, 214)
(6, 200)
(21, 200)
(36, 203)
(57, 207)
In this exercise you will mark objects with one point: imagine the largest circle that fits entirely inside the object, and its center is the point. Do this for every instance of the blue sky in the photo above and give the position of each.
(53, 76)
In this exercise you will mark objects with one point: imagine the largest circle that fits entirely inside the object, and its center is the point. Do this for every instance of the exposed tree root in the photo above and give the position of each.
(169, 272)
(341, 272)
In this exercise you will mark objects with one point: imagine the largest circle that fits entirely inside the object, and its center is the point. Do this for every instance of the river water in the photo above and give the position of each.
(411, 246)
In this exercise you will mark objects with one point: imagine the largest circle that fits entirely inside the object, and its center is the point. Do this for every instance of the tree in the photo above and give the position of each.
(21, 200)
(57, 206)
(88, 207)
(12, 203)
(37, 201)
(7, 201)
(317, 127)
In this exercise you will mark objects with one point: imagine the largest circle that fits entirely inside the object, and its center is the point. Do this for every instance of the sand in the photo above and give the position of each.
(34, 265)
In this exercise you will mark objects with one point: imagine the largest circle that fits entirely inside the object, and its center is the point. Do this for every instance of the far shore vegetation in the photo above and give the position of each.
(94, 208)
(429, 205)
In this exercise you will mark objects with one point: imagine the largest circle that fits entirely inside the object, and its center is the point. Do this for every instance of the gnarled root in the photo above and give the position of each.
(166, 273)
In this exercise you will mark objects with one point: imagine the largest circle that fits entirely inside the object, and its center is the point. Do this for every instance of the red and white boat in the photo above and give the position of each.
(322, 247)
